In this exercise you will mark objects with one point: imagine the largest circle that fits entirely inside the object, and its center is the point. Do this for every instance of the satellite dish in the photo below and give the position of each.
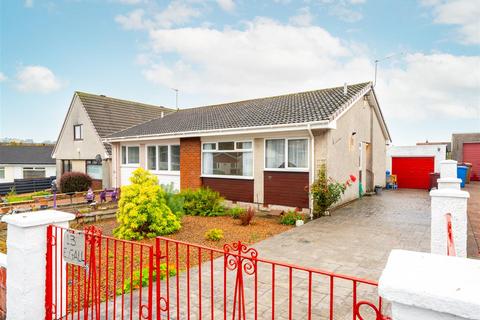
(98, 158)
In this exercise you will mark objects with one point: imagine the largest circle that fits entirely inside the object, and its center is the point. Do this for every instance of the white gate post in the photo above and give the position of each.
(449, 199)
(431, 287)
(26, 258)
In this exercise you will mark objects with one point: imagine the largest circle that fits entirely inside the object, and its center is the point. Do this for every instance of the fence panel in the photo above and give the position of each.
(102, 281)
(26, 185)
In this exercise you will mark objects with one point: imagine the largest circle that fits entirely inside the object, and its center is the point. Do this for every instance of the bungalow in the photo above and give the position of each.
(26, 162)
(264, 151)
(89, 119)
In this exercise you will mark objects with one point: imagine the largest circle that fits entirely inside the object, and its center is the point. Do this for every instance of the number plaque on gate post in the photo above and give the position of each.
(74, 248)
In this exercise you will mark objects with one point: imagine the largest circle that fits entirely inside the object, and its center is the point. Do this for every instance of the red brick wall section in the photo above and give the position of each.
(190, 163)
(3, 293)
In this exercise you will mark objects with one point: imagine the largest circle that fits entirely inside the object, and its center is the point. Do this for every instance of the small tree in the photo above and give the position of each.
(326, 192)
(75, 182)
(142, 209)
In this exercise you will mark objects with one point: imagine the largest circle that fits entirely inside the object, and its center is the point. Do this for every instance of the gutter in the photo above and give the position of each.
(312, 168)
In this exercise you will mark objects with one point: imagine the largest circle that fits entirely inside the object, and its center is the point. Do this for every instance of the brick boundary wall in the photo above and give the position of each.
(190, 163)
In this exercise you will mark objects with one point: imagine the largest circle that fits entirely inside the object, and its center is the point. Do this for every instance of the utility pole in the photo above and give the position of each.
(383, 59)
(176, 97)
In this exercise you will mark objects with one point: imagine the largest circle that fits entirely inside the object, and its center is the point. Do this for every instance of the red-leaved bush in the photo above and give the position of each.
(75, 182)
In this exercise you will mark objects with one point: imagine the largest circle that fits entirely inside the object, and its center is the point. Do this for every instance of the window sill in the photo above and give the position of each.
(226, 177)
(287, 169)
(132, 165)
(165, 172)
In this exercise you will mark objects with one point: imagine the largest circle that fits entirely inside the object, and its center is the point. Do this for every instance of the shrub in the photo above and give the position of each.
(235, 212)
(75, 182)
(137, 283)
(326, 192)
(142, 209)
(291, 217)
(214, 234)
(202, 202)
(174, 199)
(247, 216)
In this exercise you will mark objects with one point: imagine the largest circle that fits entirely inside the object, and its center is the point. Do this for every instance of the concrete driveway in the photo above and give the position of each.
(357, 239)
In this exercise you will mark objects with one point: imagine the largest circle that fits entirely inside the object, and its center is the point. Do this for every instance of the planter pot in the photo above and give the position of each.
(299, 223)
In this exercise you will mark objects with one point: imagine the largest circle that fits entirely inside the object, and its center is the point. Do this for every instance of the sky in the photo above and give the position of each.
(428, 79)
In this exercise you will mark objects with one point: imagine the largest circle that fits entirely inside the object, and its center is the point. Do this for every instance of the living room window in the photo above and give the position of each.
(286, 154)
(78, 132)
(33, 172)
(227, 158)
(163, 158)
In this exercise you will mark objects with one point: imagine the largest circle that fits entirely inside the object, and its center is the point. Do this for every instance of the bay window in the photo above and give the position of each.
(286, 154)
(130, 155)
(227, 158)
(163, 158)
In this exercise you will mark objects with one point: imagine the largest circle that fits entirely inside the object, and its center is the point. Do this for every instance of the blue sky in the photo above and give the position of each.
(216, 51)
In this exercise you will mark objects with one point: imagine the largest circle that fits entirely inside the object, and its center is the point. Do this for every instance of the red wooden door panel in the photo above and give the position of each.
(471, 153)
(413, 172)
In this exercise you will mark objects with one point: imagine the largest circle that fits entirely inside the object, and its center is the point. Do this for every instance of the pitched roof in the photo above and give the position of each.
(310, 106)
(110, 115)
(22, 154)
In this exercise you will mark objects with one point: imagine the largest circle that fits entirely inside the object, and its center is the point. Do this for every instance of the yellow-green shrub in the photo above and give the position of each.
(214, 234)
(142, 209)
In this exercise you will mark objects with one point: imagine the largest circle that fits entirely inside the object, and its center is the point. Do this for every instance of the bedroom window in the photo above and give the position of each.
(285, 154)
(163, 158)
(130, 155)
(227, 158)
(78, 132)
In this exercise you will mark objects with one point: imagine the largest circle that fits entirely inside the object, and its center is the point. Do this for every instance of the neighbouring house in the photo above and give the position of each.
(265, 150)
(448, 144)
(466, 148)
(26, 162)
(89, 119)
(413, 164)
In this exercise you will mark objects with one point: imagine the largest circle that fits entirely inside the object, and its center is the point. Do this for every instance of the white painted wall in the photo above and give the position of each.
(15, 171)
(438, 151)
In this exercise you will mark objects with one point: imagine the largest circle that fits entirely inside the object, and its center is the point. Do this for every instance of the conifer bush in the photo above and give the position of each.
(142, 209)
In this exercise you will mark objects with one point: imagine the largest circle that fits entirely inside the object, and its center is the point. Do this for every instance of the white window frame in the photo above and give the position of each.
(75, 138)
(2, 169)
(126, 164)
(44, 169)
(297, 169)
(234, 150)
(157, 155)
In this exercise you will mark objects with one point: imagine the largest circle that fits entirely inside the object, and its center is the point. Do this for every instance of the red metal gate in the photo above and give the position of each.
(178, 280)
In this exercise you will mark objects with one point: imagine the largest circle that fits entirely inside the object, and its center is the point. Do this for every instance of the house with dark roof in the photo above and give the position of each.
(266, 151)
(26, 162)
(91, 118)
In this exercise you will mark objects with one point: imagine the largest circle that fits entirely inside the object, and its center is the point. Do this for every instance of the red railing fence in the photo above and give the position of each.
(93, 276)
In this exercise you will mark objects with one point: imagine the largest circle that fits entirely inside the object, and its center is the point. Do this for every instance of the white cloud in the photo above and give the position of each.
(37, 79)
(227, 5)
(28, 4)
(130, 1)
(2, 77)
(267, 58)
(463, 13)
(303, 18)
(346, 10)
(178, 12)
(430, 86)
(132, 21)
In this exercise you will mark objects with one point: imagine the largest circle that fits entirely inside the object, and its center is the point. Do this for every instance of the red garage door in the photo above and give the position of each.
(471, 153)
(413, 172)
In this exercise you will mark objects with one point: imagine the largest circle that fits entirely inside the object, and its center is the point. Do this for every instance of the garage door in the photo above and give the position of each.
(413, 172)
(471, 153)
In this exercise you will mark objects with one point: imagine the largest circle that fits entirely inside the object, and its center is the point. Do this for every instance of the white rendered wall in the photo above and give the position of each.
(437, 151)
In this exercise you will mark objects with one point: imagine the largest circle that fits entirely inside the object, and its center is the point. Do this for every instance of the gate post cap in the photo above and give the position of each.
(434, 282)
(450, 192)
(37, 218)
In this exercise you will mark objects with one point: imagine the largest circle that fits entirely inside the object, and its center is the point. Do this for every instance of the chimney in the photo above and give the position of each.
(345, 89)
